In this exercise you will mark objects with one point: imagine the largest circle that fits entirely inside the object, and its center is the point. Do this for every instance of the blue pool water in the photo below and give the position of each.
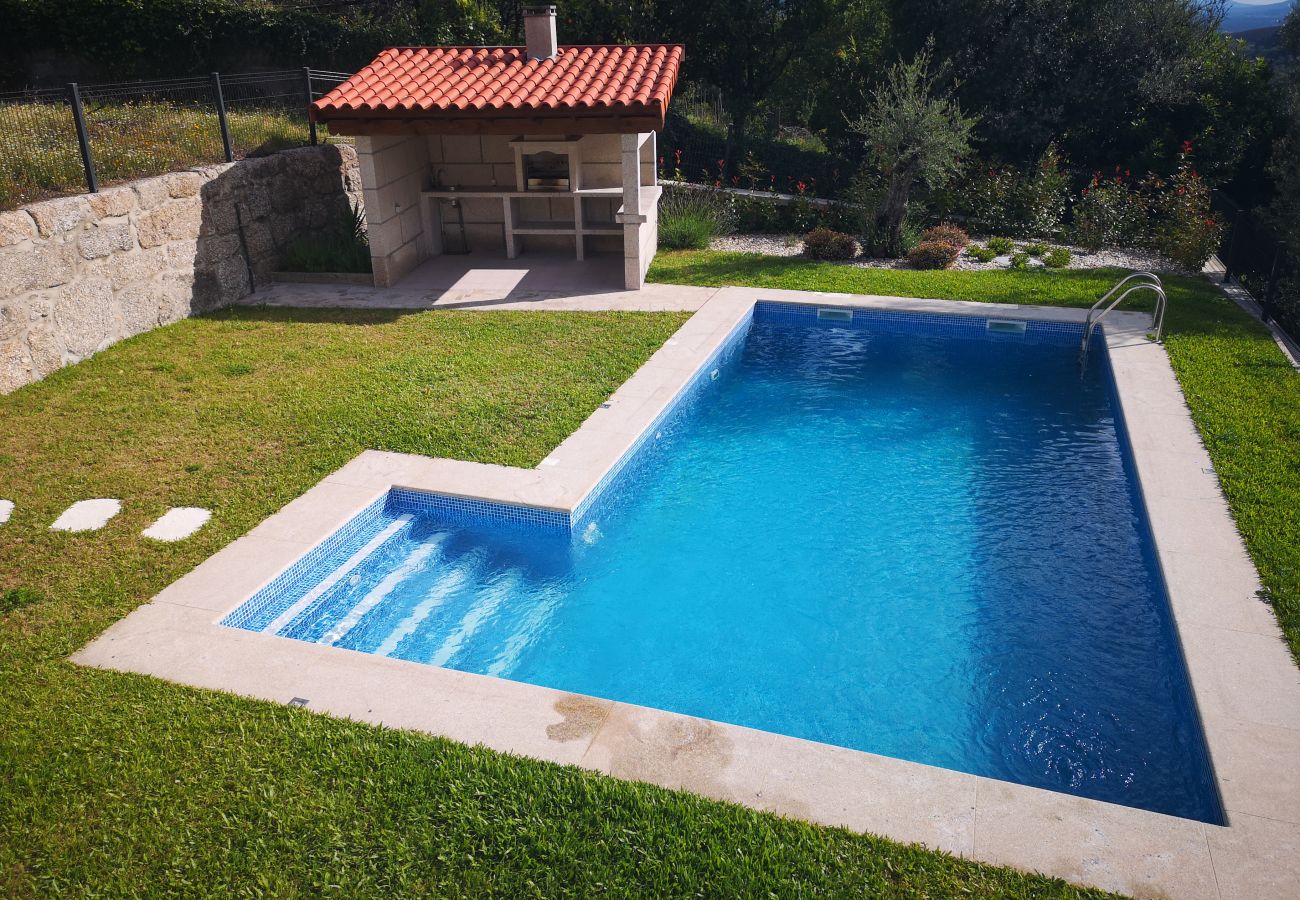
(896, 538)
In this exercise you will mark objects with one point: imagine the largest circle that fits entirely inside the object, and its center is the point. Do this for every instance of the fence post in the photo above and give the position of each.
(1232, 246)
(79, 119)
(306, 81)
(1272, 283)
(221, 117)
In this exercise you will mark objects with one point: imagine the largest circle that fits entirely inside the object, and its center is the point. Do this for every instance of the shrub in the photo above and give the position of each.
(1035, 249)
(1057, 258)
(1003, 199)
(1111, 211)
(342, 246)
(1000, 245)
(933, 255)
(689, 218)
(982, 254)
(946, 233)
(1020, 261)
(823, 243)
(1186, 231)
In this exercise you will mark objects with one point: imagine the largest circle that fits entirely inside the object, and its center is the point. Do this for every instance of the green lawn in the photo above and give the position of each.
(122, 785)
(1243, 394)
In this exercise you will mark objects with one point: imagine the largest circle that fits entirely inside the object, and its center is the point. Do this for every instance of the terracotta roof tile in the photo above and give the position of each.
(455, 82)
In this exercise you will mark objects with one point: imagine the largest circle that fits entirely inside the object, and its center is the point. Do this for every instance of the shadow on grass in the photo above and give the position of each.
(324, 315)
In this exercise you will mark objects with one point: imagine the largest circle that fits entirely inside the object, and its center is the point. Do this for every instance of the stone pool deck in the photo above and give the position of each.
(536, 282)
(1246, 686)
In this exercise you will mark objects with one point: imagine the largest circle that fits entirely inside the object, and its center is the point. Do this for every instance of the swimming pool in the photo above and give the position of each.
(914, 535)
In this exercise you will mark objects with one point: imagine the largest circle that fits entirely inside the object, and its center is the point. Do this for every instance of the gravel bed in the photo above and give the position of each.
(1116, 257)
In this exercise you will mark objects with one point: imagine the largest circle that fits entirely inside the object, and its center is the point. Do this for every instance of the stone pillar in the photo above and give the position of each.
(631, 216)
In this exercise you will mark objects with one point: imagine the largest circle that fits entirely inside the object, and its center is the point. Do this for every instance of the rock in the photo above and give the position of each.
(15, 227)
(177, 294)
(116, 201)
(6, 510)
(54, 217)
(151, 192)
(232, 280)
(13, 322)
(109, 236)
(139, 265)
(176, 220)
(215, 249)
(15, 366)
(83, 312)
(32, 268)
(45, 348)
(141, 306)
(183, 184)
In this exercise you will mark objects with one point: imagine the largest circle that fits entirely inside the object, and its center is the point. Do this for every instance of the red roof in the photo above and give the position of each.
(448, 84)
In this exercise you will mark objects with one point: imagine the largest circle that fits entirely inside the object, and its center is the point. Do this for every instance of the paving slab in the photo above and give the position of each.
(87, 515)
(178, 523)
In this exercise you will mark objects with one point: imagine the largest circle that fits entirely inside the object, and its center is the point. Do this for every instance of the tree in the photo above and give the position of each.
(915, 132)
(1112, 81)
(744, 48)
(1284, 169)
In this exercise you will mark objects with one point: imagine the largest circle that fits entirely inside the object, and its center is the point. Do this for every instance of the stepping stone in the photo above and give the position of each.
(6, 510)
(87, 515)
(178, 523)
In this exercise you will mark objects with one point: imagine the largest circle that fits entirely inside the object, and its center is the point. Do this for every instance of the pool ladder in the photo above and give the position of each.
(1146, 281)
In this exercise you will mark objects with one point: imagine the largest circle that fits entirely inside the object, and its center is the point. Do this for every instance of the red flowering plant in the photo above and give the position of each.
(1186, 230)
(1112, 210)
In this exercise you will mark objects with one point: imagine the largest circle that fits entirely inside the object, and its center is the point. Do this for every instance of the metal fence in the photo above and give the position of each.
(1254, 254)
(68, 140)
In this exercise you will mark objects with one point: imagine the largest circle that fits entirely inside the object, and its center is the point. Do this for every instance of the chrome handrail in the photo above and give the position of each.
(1151, 282)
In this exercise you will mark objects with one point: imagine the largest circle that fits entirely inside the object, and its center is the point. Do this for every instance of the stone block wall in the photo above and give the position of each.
(80, 273)
(394, 170)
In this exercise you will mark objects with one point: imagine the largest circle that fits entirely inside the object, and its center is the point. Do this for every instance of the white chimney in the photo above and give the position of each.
(539, 31)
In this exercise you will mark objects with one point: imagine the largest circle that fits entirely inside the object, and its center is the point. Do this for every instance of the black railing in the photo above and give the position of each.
(61, 141)
(1253, 253)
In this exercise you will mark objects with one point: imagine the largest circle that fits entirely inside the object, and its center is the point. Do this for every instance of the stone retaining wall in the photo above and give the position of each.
(80, 273)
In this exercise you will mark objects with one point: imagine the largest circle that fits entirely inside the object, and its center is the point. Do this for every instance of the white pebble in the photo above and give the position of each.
(87, 515)
(178, 523)
(6, 510)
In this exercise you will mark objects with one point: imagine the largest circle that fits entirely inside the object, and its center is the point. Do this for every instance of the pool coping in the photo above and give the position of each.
(1246, 687)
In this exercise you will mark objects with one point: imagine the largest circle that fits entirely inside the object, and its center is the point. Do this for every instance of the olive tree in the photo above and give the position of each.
(915, 132)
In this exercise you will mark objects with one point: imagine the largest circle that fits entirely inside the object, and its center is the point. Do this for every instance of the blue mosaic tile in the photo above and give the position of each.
(472, 511)
(930, 324)
(290, 585)
(304, 574)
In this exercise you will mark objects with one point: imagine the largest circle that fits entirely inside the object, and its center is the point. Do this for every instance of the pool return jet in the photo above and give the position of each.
(1145, 281)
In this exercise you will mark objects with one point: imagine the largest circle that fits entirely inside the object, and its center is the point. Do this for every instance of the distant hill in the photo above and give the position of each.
(1250, 17)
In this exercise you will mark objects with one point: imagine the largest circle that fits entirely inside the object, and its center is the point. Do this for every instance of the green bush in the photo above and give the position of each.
(1020, 261)
(1057, 258)
(1007, 200)
(823, 243)
(946, 233)
(933, 255)
(766, 215)
(982, 254)
(1000, 245)
(1111, 211)
(341, 247)
(1035, 249)
(689, 218)
(1186, 231)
